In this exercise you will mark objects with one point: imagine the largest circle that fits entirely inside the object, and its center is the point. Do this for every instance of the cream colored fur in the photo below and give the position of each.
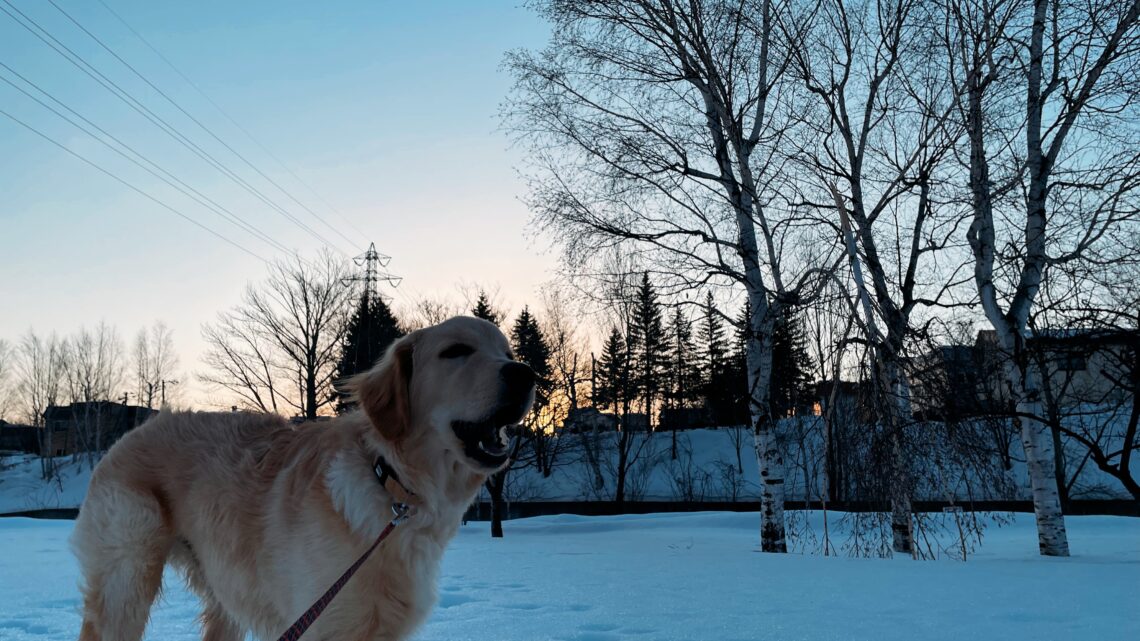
(262, 516)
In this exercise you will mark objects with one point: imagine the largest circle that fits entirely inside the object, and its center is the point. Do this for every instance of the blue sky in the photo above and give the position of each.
(388, 109)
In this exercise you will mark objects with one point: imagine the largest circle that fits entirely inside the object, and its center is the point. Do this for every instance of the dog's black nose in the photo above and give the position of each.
(518, 378)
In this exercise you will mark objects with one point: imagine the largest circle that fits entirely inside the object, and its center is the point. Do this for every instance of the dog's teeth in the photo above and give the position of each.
(494, 449)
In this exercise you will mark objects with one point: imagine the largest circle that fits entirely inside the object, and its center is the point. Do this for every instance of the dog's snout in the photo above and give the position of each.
(518, 377)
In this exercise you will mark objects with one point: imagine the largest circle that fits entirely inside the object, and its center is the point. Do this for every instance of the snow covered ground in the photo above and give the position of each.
(682, 577)
(22, 486)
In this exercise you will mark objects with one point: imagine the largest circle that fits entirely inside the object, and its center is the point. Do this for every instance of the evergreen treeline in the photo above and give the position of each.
(677, 365)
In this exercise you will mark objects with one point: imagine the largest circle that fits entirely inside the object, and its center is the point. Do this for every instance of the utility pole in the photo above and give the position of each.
(162, 387)
(593, 381)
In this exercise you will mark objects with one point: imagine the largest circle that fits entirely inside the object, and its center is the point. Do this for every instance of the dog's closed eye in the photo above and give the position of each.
(458, 350)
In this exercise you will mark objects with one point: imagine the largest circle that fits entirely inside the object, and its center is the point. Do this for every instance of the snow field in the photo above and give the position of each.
(681, 577)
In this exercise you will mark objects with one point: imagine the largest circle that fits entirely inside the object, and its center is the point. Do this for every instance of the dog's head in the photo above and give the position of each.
(454, 387)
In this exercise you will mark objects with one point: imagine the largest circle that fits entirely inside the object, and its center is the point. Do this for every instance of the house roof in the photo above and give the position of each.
(1101, 335)
(75, 410)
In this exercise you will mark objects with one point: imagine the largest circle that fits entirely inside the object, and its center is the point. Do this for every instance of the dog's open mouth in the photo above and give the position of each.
(484, 441)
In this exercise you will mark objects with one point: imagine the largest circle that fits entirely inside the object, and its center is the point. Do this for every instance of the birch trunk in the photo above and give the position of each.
(1052, 538)
(902, 529)
(768, 456)
(1027, 402)
(721, 53)
(1010, 327)
(1010, 330)
(890, 391)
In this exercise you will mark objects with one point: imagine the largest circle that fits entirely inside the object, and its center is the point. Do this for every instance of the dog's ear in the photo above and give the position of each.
(383, 391)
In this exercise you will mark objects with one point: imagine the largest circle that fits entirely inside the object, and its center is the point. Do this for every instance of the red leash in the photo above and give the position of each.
(310, 616)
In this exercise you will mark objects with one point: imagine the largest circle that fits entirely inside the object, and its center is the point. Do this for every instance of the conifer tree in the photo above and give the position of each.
(737, 374)
(531, 347)
(683, 381)
(791, 365)
(483, 309)
(648, 339)
(715, 368)
(611, 365)
(682, 372)
(372, 328)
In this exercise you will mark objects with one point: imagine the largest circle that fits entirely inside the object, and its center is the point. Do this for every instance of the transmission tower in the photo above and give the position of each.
(373, 263)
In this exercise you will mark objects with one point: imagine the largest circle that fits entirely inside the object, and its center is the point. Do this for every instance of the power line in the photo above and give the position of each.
(369, 275)
(393, 280)
(129, 185)
(236, 124)
(197, 122)
(222, 211)
(166, 176)
(158, 121)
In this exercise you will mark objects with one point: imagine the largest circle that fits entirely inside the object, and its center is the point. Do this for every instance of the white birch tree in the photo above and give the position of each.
(655, 125)
(1050, 107)
(879, 125)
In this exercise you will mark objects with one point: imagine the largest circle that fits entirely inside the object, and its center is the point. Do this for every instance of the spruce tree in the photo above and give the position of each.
(531, 347)
(371, 330)
(648, 336)
(715, 370)
(483, 309)
(682, 373)
(607, 392)
(737, 374)
(791, 365)
(684, 380)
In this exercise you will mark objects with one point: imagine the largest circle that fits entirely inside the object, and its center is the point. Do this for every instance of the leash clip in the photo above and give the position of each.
(401, 512)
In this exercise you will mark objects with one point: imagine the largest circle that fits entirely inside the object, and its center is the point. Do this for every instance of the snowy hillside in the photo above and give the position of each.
(711, 465)
(691, 577)
(22, 486)
(720, 465)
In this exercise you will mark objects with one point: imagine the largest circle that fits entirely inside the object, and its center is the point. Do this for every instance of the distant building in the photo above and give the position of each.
(586, 420)
(82, 427)
(635, 422)
(951, 382)
(683, 418)
(16, 438)
(1085, 365)
(1074, 366)
(852, 400)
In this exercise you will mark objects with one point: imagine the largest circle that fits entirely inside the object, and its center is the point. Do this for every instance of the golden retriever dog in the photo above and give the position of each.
(262, 516)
